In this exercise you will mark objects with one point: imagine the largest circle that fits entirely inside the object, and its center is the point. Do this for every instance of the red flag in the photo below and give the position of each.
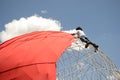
(33, 56)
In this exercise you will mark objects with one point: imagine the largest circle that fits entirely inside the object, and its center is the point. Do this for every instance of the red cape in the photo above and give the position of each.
(33, 56)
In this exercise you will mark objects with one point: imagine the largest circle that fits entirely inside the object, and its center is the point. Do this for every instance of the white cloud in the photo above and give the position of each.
(44, 11)
(29, 24)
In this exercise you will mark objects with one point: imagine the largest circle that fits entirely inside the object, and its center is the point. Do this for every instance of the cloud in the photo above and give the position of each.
(44, 11)
(29, 24)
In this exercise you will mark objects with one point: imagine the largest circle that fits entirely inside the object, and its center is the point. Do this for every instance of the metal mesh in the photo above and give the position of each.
(78, 63)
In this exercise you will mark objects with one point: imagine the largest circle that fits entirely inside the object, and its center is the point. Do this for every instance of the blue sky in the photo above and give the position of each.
(100, 19)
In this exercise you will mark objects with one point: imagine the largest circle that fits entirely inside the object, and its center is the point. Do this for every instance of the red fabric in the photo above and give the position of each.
(32, 56)
(32, 72)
